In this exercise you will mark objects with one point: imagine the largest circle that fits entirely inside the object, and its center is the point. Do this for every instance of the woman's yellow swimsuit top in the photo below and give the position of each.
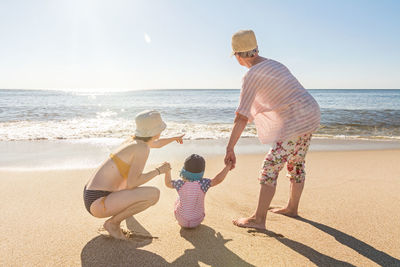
(122, 166)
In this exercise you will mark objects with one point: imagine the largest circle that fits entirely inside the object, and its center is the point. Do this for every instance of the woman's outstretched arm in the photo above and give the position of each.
(165, 141)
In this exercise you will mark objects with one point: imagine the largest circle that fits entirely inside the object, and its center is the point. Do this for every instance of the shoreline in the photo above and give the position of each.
(88, 154)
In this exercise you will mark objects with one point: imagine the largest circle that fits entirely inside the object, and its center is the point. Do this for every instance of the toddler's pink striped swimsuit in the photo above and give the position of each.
(189, 206)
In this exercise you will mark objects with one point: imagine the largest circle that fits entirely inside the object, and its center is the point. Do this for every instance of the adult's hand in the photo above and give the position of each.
(179, 139)
(230, 158)
(164, 167)
(240, 124)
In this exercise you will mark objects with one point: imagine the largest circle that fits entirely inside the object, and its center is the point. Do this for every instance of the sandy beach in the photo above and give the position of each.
(349, 215)
(103, 95)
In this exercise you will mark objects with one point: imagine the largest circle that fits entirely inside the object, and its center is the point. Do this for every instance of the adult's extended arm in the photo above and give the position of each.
(136, 177)
(165, 141)
(239, 125)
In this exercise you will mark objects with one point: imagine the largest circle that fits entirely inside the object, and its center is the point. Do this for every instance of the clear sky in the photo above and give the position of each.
(165, 44)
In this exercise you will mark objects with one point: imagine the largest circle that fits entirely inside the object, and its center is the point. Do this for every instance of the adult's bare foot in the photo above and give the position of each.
(250, 222)
(114, 230)
(284, 211)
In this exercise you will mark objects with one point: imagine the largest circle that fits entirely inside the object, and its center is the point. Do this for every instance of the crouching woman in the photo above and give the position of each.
(115, 190)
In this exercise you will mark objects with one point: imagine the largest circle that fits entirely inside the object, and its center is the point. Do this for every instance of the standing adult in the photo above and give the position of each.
(284, 113)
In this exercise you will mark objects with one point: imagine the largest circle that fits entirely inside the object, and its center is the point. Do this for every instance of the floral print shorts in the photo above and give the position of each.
(293, 152)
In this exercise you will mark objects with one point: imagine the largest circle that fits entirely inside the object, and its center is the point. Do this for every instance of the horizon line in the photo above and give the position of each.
(155, 89)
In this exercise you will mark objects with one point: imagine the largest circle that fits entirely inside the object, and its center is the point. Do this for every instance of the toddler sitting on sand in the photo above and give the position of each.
(189, 206)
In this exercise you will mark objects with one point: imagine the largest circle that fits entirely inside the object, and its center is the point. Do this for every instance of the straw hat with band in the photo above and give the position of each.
(149, 123)
(244, 41)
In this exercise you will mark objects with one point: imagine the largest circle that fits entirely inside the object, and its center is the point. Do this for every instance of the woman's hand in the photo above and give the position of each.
(230, 158)
(229, 165)
(165, 167)
(179, 139)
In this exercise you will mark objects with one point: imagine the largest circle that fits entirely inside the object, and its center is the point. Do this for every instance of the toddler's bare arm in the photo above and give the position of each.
(168, 182)
(221, 176)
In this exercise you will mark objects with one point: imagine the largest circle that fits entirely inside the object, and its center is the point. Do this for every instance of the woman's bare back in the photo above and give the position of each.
(108, 177)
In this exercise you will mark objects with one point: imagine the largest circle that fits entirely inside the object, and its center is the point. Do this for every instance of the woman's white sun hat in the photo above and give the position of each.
(149, 123)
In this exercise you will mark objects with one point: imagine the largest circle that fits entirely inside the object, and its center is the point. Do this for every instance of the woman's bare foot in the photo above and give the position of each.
(250, 222)
(285, 211)
(114, 230)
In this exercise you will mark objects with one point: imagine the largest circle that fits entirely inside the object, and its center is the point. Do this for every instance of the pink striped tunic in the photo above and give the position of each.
(189, 206)
(277, 103)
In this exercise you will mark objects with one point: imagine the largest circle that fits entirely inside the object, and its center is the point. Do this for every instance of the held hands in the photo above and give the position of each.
(230, 158)
(165, 167)
(179, 139)
(229, 165)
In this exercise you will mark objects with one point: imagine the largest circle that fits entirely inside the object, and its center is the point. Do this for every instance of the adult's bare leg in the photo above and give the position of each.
(292, 207)
(296, 171)
(258, 219)
(113, 225)
(123, 204)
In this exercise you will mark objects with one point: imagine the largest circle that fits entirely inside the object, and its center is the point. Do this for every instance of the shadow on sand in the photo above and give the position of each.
(377, 256)
(107, 251)
(314, 256)
(209, 248)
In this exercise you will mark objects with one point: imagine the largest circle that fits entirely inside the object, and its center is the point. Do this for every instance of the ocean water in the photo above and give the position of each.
(200, 114)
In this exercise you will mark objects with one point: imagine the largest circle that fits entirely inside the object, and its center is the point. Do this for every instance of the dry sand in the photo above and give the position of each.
(349, 216)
